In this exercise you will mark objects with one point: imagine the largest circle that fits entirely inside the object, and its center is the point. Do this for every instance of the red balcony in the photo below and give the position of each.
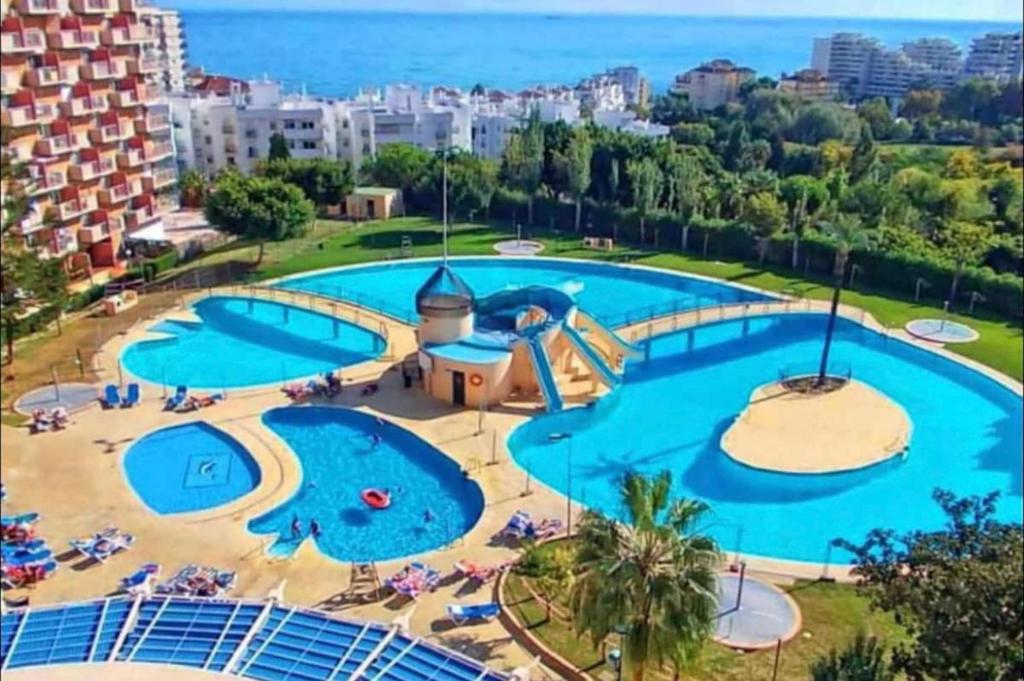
(74, 207)
(52, 75)
(126, 34)
(74, 39)
(119, 193)
(10, 82)
(135, 95)
(160, 178)
(113, 131)
(93, 6)
(98, 227)
(59, 143)
(133, 158)
(153, 123)
(137, 217)
(143, 66)
(94, 169)
(85, 105)
(157, 151)
(38, 7)
(19, 116)
(103, 70)
(44, 181)
(26, 41)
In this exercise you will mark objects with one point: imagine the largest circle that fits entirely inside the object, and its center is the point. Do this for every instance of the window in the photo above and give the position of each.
(308, 144)
(273, 125)
(231, 160)
(250, 134)
(308, 125)
(289, 125)
(208, 140)
(253, 153)
(291, 144)
(209, 160)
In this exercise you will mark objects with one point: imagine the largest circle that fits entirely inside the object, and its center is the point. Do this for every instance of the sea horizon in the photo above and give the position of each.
(337, 52)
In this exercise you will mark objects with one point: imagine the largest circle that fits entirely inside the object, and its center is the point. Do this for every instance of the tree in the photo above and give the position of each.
(693, 134)
(766, 215)
(471, 183)
(865, 155)
(689, 185)
(192, 186)
(259, 209)
(325, 182)
(646, 180)
(736, 146)
(804, 197)
(965, 244)
(1003, 193)
(652, 579)
(846, 233)
(581, 152)
(400, 166)
(50, 287)
(279, 148)
(958, 592)
(875, 113)
(862, 660)
(672, 108)
(523, 160)
(553, 570)
(919, 104)
(819, 122)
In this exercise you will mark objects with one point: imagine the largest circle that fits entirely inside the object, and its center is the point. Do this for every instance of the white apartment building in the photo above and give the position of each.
(997, 56)
(167, 48)
(845, 58)
(635, 87)
(712, 84)
(625, 120)
(940, 54)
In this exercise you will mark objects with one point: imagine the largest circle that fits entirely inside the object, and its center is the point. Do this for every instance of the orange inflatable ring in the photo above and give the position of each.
(375, 498)
(476, 380)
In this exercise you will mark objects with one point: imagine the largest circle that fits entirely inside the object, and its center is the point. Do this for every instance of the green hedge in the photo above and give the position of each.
(161, 263)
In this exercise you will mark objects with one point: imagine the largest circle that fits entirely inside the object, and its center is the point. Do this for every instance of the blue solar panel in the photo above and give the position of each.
(9, 624)
(56, 635)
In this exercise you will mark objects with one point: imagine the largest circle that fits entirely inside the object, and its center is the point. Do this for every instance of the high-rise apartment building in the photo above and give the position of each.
(80, 114)
(997, 56)
(167, 47)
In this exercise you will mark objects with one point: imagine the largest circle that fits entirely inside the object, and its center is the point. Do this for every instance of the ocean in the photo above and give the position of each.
(334, 54)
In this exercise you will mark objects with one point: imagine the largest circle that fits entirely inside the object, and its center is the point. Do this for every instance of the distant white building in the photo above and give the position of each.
(997, 56)
(167, 47)
(712, 84)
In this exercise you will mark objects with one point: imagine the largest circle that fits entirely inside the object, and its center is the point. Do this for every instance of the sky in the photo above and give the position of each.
(970, 10)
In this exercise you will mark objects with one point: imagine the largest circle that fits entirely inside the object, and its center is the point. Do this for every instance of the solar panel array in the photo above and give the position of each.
(249, 639)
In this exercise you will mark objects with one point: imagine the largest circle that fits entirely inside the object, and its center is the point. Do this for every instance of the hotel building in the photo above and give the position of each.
(713, 84)
(999, 56)
(80, 113)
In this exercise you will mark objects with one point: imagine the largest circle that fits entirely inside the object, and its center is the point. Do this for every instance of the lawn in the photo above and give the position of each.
(333, 243)
(832, 616)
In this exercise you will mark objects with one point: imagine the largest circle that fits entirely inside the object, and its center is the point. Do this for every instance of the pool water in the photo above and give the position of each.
(192, 467)
(613, 294)
(242, 342)
(672, 410)
(339, 460)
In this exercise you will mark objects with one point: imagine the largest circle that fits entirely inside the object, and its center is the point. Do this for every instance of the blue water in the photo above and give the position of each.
(339, 460)
(336, 53)
(671, 412)
(611, 293)
(193, 467)
(241, 343)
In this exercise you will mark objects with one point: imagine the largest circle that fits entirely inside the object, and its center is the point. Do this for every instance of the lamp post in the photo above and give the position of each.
(567, 437)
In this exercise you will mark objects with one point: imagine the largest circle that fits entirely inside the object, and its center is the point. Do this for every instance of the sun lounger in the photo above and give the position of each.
(10, 548)
(460, 614)
(176, 399)
(414, 579)
(28, 557)
(111, 398)
(22, 519)
(141, 581)
(18, 528)
(518, 526)
(479, 573)
(103, 545)
(546, 529)
(18, 576)
(199, 580)
(133, 396)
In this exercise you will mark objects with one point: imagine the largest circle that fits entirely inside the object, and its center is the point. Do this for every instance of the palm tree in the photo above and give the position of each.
(651, 579)
(862, 660)
(847, 233)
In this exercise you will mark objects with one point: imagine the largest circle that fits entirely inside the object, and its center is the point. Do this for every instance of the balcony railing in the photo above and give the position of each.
(46, 76)
(10, 82)
(55, 145)
(75, 207)
(91, 170)
(84, 106)
(153, 123)
(20, 116)
(159, 151)
(132, 158)
(48, 182)
(134, 219)
(103, 70)
(129, 98)
(159, 179)
(93, 6)
(111, 196)
(39, 7)
(143, 65)
(28, 40)
(127, 35)
(99, 231)
(113, 132)
(74, 39)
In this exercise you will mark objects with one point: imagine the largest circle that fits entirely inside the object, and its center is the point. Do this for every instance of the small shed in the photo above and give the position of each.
(374, 203)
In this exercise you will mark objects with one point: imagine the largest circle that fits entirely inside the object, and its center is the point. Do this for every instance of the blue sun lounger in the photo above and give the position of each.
(133, 396)
(23, 519)
(28, 557)
(111, 398)
(31, 545)
(175, 400)
(464, 613)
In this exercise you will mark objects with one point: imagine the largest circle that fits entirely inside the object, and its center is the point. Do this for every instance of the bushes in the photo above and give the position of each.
(161, 263)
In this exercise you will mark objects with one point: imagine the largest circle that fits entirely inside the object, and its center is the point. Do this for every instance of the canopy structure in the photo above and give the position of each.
(445, 294)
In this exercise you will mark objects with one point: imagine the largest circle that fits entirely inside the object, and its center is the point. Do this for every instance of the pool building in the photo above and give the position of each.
(517, 341)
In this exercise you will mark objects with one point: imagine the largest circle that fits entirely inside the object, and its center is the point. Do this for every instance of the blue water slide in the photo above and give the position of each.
(542, 366)
(591, 358)
(591, 323)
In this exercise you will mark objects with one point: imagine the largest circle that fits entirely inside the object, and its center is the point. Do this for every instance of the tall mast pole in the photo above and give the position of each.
(444, 203)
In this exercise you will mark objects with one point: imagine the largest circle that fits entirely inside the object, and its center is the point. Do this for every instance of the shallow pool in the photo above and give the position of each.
(242, 342)
(191, 467)
(672, 410)
(612, 293)
(339, 459)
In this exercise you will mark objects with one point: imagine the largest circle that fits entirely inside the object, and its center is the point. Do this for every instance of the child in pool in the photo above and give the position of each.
(296, 527)
(314, 528)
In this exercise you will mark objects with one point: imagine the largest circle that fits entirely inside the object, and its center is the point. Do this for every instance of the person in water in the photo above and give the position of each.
(296, 527)
(375, 440)
(314, 528)
(428, 516)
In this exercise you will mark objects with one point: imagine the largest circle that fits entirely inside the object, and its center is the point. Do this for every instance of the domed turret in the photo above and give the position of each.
(444, 294)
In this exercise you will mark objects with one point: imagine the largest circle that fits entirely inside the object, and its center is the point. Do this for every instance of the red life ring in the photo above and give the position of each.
(375, 498)
(476, 380)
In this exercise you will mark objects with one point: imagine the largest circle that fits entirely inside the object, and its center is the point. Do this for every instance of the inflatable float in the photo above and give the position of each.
(375, 498)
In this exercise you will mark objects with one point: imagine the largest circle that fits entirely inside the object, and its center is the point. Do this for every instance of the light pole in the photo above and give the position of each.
(557, 437)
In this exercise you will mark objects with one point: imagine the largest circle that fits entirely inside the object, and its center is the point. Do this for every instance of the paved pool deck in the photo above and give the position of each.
(75, 479)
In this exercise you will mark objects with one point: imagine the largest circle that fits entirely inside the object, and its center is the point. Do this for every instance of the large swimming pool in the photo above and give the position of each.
(433, 503)
(672, 410)
(241, 342)
(613, 294)
(191, 467)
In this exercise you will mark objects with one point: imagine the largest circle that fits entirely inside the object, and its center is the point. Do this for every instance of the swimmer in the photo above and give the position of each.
(296, 528)
(314, 528)
(376, 439)
(428, 516)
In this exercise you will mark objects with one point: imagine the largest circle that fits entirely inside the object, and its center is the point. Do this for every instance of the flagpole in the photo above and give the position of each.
(444, 203)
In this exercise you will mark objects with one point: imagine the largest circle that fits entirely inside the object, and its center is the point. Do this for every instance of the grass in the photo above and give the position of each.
(833, 614)
(1000, 346)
